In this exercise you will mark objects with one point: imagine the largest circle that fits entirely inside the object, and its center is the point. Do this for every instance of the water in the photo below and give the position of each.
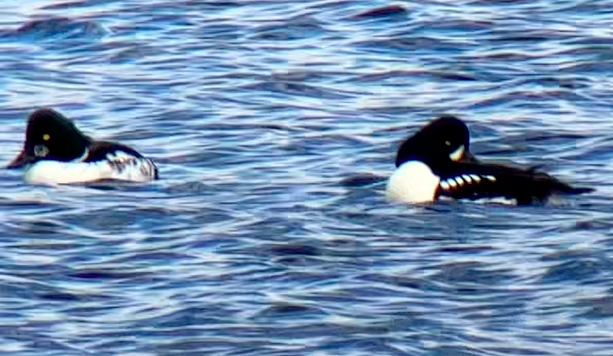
(258, 113)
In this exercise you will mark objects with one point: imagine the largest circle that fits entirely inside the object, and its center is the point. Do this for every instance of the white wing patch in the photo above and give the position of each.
(445, 185)
(455, 182)
(130, 168)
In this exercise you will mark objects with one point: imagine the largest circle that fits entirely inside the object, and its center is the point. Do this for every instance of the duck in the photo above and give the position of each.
(436, 163)
(55, 151)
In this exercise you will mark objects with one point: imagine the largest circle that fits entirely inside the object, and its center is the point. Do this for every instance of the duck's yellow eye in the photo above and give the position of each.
(46, 137)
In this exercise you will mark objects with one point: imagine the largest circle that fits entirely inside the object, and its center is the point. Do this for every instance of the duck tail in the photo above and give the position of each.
(562, 187)
(578, 190)
(567, 189)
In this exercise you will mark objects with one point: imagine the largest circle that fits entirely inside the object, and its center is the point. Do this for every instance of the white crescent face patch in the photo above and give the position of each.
(457, 154)
(452, 183)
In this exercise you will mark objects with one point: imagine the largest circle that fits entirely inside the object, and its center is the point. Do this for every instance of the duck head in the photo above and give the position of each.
(442, 140)
(50, 136)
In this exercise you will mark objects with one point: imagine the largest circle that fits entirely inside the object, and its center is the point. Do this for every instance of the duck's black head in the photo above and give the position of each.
(50, 136)
(443, 140)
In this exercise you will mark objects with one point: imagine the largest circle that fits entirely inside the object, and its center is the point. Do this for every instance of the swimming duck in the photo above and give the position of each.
(55, 151)
(436, 162)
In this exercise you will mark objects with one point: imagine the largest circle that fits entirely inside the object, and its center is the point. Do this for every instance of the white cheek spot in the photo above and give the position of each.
(457, 154)
(459, 181)
(467, 178)
(445, 185)
(41, 151)
(413, 182)
(475, 177)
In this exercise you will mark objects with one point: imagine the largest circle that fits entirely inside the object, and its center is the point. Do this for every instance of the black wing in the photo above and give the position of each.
(99, 149)
(464, 180)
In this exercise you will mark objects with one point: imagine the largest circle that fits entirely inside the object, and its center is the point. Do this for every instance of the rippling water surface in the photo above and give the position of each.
(258, 113)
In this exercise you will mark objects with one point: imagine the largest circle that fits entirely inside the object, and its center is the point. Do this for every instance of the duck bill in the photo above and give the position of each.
(20, 161)
(461, 154)
(468, 157)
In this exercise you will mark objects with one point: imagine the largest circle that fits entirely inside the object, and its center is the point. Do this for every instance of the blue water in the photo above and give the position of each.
(258, 114)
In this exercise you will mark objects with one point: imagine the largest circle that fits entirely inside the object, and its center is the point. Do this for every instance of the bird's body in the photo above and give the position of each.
(55, 151)
(436, 162)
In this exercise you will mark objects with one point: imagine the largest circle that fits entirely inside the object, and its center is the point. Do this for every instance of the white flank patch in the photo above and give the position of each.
(457, 154)
(120, 166)
(412, 182)
(67, 172)
(497, 200)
